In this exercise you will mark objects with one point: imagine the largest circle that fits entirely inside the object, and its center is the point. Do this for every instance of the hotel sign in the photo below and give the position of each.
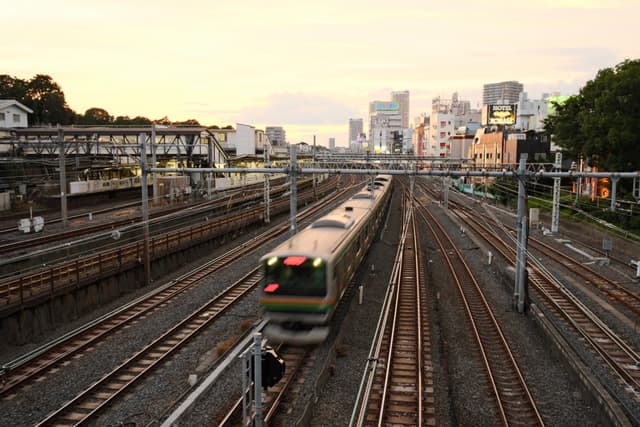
(501, 114)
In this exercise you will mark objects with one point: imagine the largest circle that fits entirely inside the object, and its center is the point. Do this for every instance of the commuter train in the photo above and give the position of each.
(306, 276)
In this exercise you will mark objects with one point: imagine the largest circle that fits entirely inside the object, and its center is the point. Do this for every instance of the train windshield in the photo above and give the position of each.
(295, 275)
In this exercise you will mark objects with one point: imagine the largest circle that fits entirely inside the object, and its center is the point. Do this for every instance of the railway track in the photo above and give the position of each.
(607, 347)
(398, 387)
(88, 403)
(277, 400)
(514, 403)
(25, 370)
(219, 204)
(625, 263)
(51, 218)
(47, 282)
(611, 289)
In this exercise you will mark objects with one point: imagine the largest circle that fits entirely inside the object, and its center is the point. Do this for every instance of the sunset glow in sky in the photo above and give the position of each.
(307, 66)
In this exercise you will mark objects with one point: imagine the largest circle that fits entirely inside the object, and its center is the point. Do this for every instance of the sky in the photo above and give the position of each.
(307, 66)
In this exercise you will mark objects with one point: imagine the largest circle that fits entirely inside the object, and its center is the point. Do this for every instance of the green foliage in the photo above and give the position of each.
(41, 94)
(190, 122)
(602, 122)
(94, 116)
(13, 88)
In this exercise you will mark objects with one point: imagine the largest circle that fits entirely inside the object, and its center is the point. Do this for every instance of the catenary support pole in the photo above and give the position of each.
(210, 175)
(267, 186)
(257, 377)
(555, 210)
(293, 200)
(315, 196)
(446, 192)
(521, 253)
(63, 177)
(154, 163)
(145, 208)
(614, 190)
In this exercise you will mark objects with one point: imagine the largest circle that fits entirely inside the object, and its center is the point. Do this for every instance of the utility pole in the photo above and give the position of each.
(63, 177)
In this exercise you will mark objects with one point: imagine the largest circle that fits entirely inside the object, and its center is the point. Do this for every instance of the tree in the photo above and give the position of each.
(46, 99)
(13, 88)
(140, 121)
(163, 121)
(189, 122)
(95, 116)
(602, 122)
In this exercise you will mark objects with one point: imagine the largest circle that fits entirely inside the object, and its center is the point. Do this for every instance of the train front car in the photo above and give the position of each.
(295, 298)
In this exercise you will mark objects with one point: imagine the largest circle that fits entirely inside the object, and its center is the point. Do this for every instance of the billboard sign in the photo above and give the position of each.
(387, 106)
(501, 114)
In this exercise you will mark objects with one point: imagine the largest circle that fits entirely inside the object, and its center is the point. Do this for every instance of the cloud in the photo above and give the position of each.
(586, 59)
(585, 4)
(284, 108)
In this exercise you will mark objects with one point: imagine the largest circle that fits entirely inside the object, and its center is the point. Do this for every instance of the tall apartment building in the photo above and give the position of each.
(332, 143)
(503, 92)
(384, 120)
(355, 129)
(277, 136)
(448, 117)
(402, 98)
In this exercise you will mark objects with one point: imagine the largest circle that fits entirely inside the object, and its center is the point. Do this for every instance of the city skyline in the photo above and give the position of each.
(307, 68)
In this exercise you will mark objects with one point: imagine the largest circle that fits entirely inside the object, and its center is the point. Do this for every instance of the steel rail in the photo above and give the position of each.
(622, 359)
(86, 405)
(514, 401)
(48, 280)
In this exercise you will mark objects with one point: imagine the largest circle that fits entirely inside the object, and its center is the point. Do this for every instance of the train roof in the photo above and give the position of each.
(323, 236)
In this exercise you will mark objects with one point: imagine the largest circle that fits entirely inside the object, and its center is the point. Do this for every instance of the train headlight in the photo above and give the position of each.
(272, 261)
(317, 262)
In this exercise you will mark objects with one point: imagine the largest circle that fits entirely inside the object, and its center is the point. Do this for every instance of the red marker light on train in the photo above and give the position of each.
(271, 287)
(294, 261)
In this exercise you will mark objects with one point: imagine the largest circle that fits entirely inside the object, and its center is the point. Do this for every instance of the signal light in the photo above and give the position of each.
(272, 261)
(317, 262)
(271, 287)
(294, 261)
(273, 367)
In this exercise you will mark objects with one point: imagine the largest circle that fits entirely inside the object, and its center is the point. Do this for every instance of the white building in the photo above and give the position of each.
(244, 139)
(448, 115)
(13, 114)
(441, 128)
(531, 113)
(277, 136)
(384, 119)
